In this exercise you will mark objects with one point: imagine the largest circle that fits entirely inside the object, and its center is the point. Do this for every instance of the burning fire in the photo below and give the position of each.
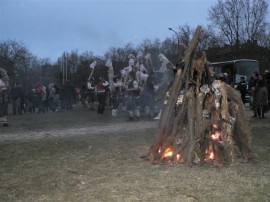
(216, 135)
(167, 153)
(178, 156)
(211, 156)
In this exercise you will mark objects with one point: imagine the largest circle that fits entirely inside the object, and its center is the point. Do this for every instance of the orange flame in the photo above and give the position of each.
(216, 135)
(167, 153)
(178, 156)
(211, 156)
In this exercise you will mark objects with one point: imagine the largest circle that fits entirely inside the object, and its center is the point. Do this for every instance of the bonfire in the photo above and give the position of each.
(203, 120)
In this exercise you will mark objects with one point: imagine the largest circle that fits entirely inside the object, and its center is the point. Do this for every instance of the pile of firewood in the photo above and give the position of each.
(203, 119)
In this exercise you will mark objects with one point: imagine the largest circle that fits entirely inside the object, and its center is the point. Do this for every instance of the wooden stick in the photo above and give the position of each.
(167, 117)
(191, 126)
(167, 113)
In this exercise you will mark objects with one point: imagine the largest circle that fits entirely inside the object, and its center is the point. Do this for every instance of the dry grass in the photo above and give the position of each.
(105, 165)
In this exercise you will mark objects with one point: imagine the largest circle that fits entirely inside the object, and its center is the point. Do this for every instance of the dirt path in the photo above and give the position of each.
(27, 131)
(69, 132)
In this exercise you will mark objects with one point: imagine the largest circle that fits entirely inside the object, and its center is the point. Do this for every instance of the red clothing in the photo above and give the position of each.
(100, 87)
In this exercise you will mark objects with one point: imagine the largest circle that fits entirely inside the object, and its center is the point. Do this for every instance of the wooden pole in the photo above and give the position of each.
(167, 117)
(166, 120)
(66, 66)
(63, 70)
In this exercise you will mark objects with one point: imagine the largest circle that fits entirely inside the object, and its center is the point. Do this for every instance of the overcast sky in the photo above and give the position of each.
(50, 27)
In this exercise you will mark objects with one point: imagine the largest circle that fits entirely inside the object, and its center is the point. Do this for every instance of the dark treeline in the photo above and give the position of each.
(237, 29)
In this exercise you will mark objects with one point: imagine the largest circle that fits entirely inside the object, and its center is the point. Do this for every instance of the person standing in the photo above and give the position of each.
(16, 96)
(261, 98)
(51, 97)
(91, 95)
(133, 92)
(252, 85)
(242, 87)
(41, 96)
(68, 95)
(148, 94)
(101, 94)
(4, 85)
(116, 94)
(226, 78)
(267, 80)
(83, 95)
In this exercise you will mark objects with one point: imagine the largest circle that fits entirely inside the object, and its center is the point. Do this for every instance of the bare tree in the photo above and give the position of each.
(254, 19)
(167, 47)
(225, 17)
(265, 39)
(16, 59)
(210, 39)
(239, 20)
(117, 54)
(185, 34)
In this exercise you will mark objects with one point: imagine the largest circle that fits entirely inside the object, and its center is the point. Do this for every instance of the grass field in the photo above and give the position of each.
(82, 156)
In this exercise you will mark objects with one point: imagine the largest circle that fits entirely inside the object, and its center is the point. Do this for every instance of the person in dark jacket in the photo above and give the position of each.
(148, 94)
(242, 87)
(16, 97)
(84, 95)
(252, 85)
(261, 98)
(267, 80)
(68, 95)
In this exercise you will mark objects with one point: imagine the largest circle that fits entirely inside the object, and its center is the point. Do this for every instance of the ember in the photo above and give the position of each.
(215, 126)
(216, 135)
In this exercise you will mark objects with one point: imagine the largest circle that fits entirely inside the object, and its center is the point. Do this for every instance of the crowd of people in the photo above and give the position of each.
(259, 88)
(41, 98)
(138, 91)
(135, 90)
(139, 94)
(37, 99)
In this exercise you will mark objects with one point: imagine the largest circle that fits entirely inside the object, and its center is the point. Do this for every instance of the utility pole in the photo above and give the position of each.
(62, 70)
(66, 66)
